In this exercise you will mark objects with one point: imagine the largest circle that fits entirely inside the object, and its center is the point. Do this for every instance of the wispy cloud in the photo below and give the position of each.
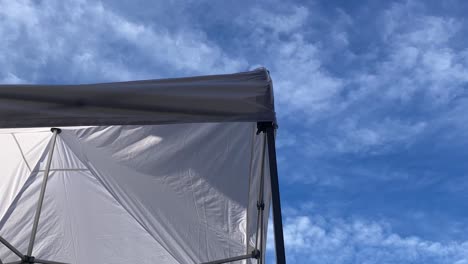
(370, 137)
(87, 41)
(302, 84)
(393, 94)
(315, 239)
(419, 56)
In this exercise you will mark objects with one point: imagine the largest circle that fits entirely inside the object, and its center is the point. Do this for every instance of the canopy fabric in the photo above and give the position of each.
(183, 193)
(240, 97)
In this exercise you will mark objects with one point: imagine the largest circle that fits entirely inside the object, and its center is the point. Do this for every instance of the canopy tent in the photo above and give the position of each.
(159, 171)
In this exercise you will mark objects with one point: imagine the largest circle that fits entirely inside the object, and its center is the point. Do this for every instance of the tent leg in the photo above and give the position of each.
(276, 203)
(55, 132)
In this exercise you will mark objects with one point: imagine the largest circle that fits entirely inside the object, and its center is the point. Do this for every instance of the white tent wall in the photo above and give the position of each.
(260, 192)
(19, 153)
(182, 193)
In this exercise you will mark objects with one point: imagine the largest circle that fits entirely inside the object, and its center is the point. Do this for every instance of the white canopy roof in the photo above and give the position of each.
(162, 171)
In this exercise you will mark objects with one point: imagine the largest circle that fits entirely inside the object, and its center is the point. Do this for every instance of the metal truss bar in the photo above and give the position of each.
(11, 247)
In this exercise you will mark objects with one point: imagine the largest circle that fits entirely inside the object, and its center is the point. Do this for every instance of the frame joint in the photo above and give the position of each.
(54, 129)
(263, 126)
(256, 254)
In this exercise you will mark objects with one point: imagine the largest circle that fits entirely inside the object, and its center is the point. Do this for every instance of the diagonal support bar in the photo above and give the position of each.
(11, 247)
(55, 132)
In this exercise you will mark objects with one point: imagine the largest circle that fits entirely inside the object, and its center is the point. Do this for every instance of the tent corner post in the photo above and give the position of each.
(269, 128)
(263, 126)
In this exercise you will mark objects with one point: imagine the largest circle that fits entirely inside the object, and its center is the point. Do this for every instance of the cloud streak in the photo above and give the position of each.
(83, 41)
(391, 95)
(315, 239)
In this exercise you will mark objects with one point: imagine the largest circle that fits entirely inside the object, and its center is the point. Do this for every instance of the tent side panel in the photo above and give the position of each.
(81, 222)
(187, 185)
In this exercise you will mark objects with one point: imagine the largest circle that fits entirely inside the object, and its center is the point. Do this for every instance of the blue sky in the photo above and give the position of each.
(371, 100)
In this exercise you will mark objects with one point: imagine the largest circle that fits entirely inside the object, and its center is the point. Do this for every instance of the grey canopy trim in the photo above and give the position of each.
(238, 97)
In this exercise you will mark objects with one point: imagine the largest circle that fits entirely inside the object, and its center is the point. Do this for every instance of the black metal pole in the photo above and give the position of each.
(275, 196)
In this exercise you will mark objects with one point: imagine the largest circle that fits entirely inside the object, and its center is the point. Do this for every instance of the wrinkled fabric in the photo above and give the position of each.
(183, 193)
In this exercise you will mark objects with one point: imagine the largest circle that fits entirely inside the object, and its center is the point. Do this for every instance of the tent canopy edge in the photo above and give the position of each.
(239, 97)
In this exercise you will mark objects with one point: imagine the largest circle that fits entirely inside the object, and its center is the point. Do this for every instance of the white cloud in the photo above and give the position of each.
(373, 137)
(321, 240)
(293, 20)
(295, 61)
(86, 41)
(418, 59)
(11, 79)
(414, 65)
(421, 58)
